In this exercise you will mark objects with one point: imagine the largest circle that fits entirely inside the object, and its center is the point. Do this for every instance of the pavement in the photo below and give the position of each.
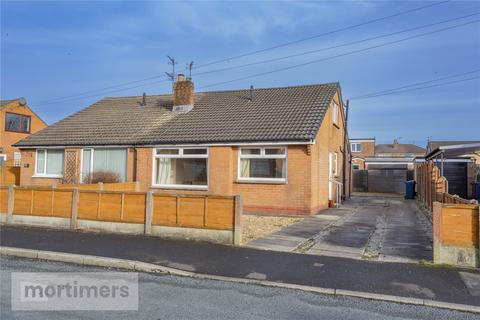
(373, 227)
(172, 297)
(398, 279)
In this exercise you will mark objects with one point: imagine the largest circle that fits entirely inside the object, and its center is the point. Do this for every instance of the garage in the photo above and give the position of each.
(383, 175)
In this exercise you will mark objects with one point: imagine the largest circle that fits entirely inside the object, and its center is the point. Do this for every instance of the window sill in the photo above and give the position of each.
(262, 181)
(49, 176)
(179, 187)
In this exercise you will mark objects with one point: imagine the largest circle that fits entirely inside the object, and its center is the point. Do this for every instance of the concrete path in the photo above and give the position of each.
(373, 227)
(289, 239)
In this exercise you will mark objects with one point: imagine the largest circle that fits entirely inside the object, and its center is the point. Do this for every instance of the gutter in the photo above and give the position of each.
(260, 143)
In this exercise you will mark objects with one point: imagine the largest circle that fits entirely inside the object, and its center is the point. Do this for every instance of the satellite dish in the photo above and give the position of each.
(22, 101)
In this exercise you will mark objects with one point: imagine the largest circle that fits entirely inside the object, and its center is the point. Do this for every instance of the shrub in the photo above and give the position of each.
(103, 176)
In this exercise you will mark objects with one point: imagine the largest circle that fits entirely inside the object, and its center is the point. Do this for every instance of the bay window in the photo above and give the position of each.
(181, 168)
(49, 163)
(262, 164)
(104, 159)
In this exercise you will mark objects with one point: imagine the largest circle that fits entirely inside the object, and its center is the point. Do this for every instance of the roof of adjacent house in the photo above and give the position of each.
(433, 145)
(3, 103)
(275, 114)
(399, 148)
(451, 149)
(362, 139)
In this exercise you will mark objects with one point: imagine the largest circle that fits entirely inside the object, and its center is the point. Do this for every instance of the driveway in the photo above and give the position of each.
(374, 227)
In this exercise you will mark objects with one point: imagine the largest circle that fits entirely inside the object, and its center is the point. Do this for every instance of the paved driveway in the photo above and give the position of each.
(375, 227)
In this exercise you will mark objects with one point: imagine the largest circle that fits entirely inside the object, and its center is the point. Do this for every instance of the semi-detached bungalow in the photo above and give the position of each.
(282, 149)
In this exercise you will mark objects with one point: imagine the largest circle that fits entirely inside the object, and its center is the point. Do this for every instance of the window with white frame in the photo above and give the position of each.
(181, 168)
(267, 164)
(17, 157)
(112, 160)
(49, 162)
(3, 158)
(335, 164)
(356, 147)
(335, 113)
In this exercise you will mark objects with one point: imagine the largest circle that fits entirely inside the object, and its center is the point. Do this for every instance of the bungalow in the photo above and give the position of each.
(282, 149)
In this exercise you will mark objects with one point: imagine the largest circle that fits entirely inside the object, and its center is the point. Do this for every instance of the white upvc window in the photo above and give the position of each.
(356, 147)
(49, 163)
(335, 164)
(180, 168)
(262, 164)
(17, 157)
(109, 160)
(335, 113)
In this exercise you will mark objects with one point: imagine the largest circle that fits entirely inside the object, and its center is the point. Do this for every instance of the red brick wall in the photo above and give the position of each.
(8, 138)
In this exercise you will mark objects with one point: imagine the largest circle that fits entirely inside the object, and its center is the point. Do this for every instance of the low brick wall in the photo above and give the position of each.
(456, 234)
(201, 217)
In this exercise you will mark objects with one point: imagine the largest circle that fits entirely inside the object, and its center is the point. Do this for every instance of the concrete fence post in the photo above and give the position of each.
(148, 212)
(237, 221)
(73, 217)
(11, 197)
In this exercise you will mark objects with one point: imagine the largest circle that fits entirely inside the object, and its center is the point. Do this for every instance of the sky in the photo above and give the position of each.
(63, 55)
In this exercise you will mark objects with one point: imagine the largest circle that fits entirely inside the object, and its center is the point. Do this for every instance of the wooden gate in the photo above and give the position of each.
(9, 174)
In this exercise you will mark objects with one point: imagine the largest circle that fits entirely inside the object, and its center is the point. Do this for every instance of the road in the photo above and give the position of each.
(168, 297)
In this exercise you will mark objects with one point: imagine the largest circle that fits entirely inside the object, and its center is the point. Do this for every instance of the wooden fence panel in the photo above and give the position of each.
(191, 212)
(220, 213)
(42, 202)
(88, 205)
(164, 210)
(134, 208)
(109, 207)
(22, 201)
(62, 203)
(3, 199)
(460, 225)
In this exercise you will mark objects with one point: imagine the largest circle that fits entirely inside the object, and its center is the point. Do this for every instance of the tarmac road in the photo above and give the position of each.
(169, 297)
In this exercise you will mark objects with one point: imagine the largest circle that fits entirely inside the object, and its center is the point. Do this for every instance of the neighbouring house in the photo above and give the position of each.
(361, 148)
(17, 122)
(459, 163)
(383, 167)
(282, 149)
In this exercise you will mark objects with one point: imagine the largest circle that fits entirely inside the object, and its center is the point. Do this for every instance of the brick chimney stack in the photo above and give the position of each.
(183, 94)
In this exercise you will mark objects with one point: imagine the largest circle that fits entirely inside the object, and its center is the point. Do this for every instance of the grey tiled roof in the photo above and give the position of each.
(275, 114)
(399, 148)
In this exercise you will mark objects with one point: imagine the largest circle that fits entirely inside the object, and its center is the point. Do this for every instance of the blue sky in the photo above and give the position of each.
(56, 49)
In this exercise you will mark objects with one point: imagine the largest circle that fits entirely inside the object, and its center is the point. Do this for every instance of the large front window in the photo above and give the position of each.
(181, 168)
(263, 164)
(97, 161)
(49, 163)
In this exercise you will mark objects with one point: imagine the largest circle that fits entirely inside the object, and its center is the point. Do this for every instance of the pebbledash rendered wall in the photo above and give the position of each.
(210, 218)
